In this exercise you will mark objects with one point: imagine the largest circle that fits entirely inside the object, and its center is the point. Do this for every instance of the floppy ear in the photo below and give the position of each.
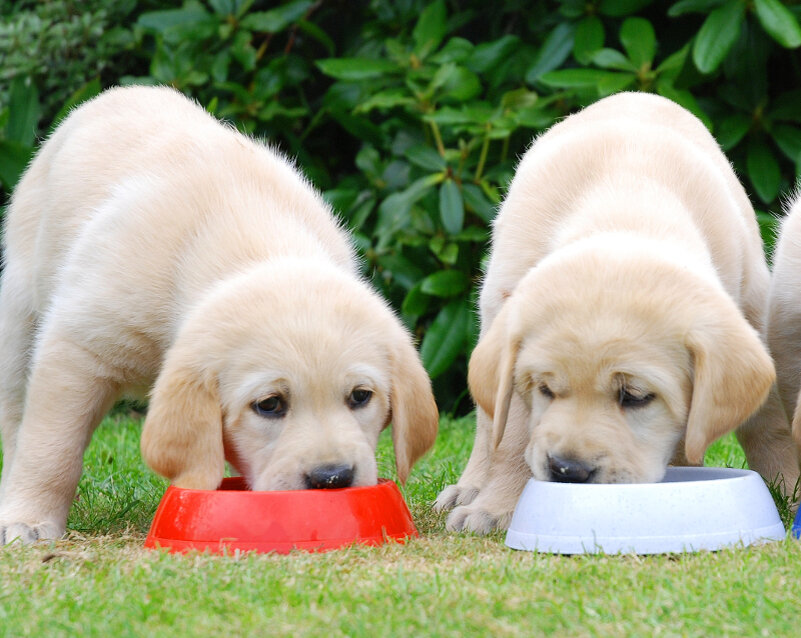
(182, 437)
(733, 374)
(491, 373)
(415, 418)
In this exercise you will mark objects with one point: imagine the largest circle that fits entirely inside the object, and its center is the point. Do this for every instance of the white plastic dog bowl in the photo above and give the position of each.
(692, 509)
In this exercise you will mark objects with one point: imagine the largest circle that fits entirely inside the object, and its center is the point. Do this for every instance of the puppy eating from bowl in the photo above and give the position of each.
(149, 245)
(621, 314)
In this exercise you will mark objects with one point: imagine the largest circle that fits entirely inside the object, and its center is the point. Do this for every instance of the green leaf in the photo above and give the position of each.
(451, 206)
(161, 21)
(385, 100)
(474, 234)
(446, 337)
(14, 157)
(763, 169)
(368, 161)
(779, 22)
(475, 198)
(455, 83)
(415, 303)
(692, 6)
(223, 7)
(518, 99)
(449, 253)
(242, 50)
(578, 78)
(589, 37)
(277, 19)
(401, 269)
(639, 40)
(393, 212)
(612, 59)
(355, 69)
(456, 50)
(430, 28)
(788, 139)
(315, 32)
(671, 67)
(554, 51)
(25, 111)
(445, 283)
(426, 157)
(717, 35)
(488, 55)
(219, 68)
(616, 82)
(732, 129)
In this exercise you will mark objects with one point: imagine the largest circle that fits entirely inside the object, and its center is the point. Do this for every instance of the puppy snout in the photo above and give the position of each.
(564, 470)
(329, 477)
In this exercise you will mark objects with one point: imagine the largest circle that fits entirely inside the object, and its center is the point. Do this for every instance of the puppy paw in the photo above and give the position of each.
(454, 495)
(28, 533)
(477, 519)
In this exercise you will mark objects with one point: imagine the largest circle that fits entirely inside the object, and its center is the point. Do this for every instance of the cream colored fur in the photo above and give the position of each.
(784, 317)
(148, 243)
(626, 262)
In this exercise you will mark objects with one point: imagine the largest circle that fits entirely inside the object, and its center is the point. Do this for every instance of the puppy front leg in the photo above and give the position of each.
(17, 327)
(769, 447)
(507, 475)
(68, 394)
(475, 472)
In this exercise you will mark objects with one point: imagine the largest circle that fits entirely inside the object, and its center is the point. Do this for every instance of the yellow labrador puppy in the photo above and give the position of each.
(620, 314)
(784, 317)
(148, 242)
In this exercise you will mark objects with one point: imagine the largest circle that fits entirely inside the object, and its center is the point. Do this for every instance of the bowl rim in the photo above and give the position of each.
(234, 490)
(713, 478)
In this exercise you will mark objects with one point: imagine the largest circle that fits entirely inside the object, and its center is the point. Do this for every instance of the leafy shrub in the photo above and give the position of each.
(410, 114)
(54, 55)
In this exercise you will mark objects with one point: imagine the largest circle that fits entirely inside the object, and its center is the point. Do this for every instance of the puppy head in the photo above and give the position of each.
(617, 362)
(290, 372)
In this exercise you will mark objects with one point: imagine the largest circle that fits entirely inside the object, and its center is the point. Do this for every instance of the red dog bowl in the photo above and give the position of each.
(235, 518)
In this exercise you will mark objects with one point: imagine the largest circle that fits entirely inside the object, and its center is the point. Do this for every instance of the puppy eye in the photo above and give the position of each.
(359, 398)
(273, 407)
(545, 391)
(628, 399)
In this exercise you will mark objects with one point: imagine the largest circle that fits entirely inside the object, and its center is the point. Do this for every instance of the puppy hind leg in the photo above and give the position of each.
(475, 473)
(68, 394)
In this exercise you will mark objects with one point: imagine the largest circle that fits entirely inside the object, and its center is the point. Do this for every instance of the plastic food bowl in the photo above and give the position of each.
(234, 518)
(692, 509)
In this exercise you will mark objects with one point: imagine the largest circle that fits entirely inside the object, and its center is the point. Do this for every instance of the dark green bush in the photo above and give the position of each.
(54, 54)
(410, 114)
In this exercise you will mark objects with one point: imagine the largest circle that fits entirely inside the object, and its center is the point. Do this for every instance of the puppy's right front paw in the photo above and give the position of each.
(454, 495)
(476, 519)
(27, 534)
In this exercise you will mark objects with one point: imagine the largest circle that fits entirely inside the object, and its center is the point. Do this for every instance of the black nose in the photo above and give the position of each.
(326, 477)
(569, 470)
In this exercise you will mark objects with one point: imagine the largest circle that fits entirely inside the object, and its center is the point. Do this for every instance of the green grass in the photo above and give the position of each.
(101, 582)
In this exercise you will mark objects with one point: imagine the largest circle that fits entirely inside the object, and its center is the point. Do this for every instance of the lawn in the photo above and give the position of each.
(101, 582)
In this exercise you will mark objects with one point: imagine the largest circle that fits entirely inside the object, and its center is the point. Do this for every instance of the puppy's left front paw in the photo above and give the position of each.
(454, 495)
(477, 519)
